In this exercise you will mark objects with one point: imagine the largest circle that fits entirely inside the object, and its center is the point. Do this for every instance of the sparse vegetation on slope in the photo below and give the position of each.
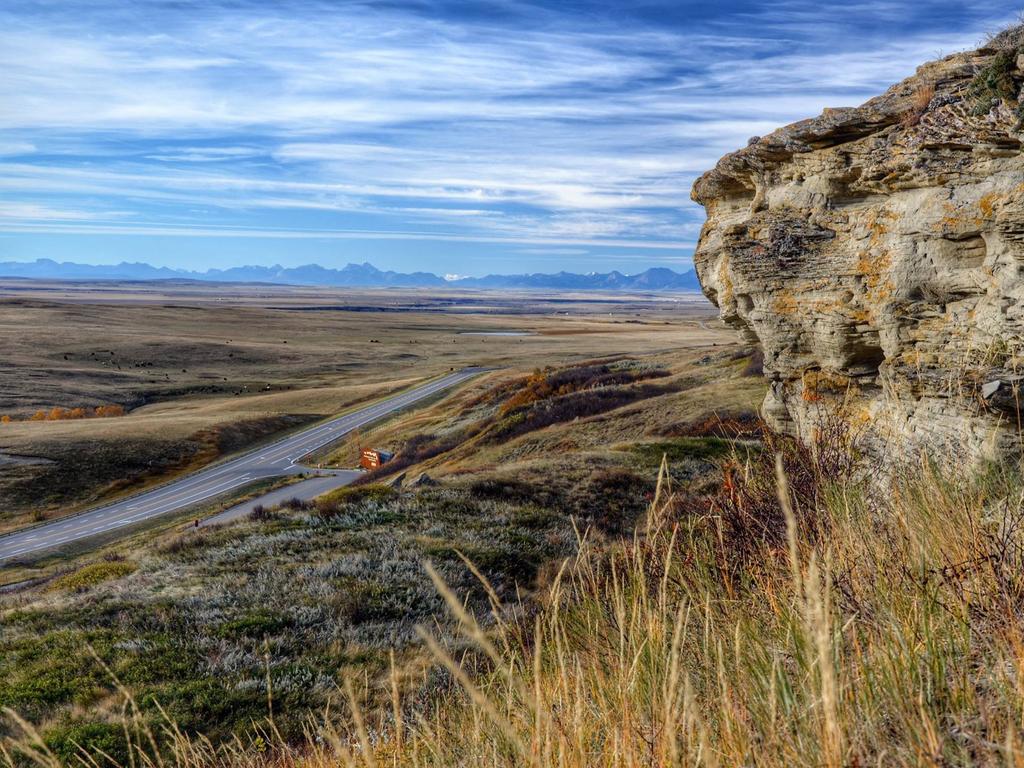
(295, 600)
(999, 82)
(893, 640)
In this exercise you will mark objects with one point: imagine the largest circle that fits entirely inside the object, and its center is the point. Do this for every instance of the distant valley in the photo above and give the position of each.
(363, 275)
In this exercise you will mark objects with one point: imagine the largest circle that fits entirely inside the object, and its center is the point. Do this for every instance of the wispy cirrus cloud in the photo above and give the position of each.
(233, 232)
(504, 124)
(33, 212)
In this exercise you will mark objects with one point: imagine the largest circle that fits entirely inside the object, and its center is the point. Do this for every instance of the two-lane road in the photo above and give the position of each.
(273, 460)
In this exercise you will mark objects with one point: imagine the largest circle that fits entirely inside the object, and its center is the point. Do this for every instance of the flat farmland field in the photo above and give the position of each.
(203, 370)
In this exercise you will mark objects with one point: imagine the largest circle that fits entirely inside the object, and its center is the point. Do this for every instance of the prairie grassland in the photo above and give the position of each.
(207, 370)
(793, 617)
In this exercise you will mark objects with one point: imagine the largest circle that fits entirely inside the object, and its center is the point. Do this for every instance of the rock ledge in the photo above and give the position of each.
(877, 254)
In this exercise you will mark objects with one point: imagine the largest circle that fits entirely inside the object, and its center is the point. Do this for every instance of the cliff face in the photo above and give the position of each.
(877, 255)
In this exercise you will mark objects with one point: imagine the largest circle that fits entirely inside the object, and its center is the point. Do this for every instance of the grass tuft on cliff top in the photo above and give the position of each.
(1000, 80)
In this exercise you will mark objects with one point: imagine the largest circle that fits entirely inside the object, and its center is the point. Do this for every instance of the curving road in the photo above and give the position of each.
(273, 460)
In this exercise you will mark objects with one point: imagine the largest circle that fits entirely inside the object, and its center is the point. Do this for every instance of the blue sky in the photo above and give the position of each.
(457, 137)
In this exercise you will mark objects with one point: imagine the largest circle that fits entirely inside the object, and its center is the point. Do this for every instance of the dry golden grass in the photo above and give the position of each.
(894, 641)
(920, 101)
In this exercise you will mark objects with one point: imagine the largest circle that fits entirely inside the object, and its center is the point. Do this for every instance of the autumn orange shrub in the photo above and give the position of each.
(536, 387)
(550, 383)
(61, 414)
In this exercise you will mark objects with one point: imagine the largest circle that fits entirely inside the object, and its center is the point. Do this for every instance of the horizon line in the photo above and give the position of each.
(170, 230)
(446, 276)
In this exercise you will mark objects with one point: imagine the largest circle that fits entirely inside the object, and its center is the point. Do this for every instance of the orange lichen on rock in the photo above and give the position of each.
(987, 204)
(785, 304)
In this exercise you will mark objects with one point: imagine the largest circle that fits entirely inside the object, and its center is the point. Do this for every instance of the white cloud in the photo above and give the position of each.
(563, 130)
(8, 148)
(202, 154)
(33, 212)
(556, 251)
(168, 230)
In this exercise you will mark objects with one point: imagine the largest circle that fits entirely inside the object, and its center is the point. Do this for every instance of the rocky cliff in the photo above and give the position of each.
(877, 255)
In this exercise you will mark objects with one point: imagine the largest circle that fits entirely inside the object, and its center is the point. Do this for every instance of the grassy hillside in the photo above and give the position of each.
(204, 626)
(786, 614)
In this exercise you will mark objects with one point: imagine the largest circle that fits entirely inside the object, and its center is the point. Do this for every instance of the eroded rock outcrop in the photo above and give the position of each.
(877, 255)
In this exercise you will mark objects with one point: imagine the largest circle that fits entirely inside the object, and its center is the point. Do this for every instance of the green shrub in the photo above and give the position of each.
(70, 740)
(157, 660)
(38, 674)
(682, 449)
(536, 517)
(997, 82)
(92, 574)
(355, 494)
(366, 601)
(255, 625)
(208, 706)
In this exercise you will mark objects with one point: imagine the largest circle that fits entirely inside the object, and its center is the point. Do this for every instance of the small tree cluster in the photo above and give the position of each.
(63, 414)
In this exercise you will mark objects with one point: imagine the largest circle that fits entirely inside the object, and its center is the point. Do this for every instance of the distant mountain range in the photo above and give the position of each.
(363, 275)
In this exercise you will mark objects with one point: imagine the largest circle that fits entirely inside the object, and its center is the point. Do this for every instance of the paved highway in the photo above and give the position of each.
(273, 460)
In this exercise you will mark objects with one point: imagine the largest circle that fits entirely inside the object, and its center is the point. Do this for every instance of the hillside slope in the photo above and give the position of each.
(292, 602)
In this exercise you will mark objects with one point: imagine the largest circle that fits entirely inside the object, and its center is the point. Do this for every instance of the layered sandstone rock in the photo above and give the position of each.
(877, 255)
